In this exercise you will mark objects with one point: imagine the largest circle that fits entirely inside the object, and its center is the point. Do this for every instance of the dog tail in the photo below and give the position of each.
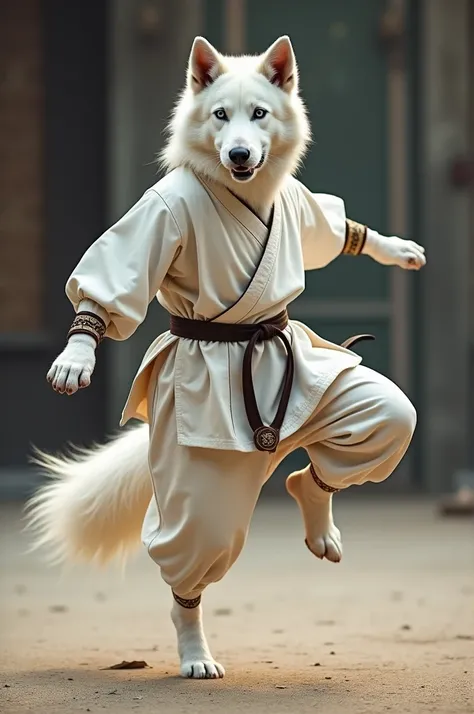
(93, 507)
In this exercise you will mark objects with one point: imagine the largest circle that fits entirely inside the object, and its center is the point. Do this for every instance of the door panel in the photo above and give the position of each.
(343, 78)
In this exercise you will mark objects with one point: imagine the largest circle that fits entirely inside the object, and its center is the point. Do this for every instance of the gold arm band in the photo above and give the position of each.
(356, 235)
(87, 323)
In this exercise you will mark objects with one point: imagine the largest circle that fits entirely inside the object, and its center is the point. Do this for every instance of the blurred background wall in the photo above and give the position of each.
(85, 92)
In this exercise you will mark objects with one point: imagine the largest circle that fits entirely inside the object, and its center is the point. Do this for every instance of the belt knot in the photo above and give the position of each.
(267, 331)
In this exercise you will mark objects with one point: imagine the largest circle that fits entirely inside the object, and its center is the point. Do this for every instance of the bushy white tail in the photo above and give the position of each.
(94, 507)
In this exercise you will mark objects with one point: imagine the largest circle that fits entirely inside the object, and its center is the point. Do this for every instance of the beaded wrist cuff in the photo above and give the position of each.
(356, 235)
(87, 323)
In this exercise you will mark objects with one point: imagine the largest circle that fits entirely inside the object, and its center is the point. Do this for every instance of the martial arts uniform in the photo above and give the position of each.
(207, 257)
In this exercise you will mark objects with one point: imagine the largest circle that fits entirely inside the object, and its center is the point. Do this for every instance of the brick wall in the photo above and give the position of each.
(21, 165)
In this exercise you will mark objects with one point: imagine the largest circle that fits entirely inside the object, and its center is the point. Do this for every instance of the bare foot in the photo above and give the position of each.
(195, 656)
(323, 538)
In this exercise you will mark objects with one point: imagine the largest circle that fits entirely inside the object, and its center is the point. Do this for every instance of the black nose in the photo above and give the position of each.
(239, 155)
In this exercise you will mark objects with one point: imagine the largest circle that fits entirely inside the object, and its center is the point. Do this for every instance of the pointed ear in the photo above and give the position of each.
(279, 64)
(204, 65)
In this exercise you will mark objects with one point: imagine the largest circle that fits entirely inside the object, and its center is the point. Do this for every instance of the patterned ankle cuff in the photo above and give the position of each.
(188, 604)
(323, 486)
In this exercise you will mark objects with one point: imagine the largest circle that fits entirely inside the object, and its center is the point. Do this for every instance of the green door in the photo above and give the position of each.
(343, 76)
(344, 82)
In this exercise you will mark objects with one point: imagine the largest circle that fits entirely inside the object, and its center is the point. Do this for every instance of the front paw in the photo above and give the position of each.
(411, 256)
(405, 254)
(73, 368)
(69, 377)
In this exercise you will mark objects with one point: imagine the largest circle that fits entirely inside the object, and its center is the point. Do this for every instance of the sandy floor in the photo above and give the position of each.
(389, 629)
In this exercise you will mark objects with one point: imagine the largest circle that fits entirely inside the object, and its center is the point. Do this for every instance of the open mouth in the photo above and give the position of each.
(245, 173)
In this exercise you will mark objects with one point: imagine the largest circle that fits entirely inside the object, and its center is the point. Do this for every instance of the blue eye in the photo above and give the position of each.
(259, 113)
(221, 115)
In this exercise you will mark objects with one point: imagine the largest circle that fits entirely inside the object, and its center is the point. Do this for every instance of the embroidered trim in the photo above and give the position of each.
(356, 235)
(188, 604)
(88, 324)
(323, 486)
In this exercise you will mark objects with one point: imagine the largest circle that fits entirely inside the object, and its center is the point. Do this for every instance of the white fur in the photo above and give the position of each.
(239, 85)
(394, 251)
(72, 369)
(94, 506)
(195, 656)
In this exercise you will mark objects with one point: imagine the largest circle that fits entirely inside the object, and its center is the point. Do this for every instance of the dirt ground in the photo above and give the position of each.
(389, 629)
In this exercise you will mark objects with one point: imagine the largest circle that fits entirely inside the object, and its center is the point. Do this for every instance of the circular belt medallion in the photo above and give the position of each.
(266, 438)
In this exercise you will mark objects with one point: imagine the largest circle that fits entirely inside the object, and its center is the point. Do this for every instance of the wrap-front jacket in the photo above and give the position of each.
(205, 255)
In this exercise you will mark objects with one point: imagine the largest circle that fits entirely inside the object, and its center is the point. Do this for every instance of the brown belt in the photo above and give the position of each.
(266, 438)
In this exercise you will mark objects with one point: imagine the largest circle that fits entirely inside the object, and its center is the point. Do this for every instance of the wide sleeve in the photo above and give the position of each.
(123, 269)
(323, 227)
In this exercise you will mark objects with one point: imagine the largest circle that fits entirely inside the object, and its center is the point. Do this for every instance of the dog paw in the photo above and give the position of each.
(395, 251)
(195, 657)
(202, 669)
(323, 538)
(326, 545)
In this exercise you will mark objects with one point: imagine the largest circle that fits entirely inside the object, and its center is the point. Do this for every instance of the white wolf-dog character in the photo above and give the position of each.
(223, 241)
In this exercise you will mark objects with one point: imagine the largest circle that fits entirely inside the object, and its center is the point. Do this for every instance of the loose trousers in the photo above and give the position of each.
(197, 523)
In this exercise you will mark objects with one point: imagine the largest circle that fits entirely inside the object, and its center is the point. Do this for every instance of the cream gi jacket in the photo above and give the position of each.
(196, 247)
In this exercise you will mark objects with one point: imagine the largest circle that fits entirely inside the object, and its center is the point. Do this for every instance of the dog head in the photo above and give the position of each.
(239, 117)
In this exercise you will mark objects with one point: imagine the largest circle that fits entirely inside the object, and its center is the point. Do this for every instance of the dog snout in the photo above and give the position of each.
(239, 155)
